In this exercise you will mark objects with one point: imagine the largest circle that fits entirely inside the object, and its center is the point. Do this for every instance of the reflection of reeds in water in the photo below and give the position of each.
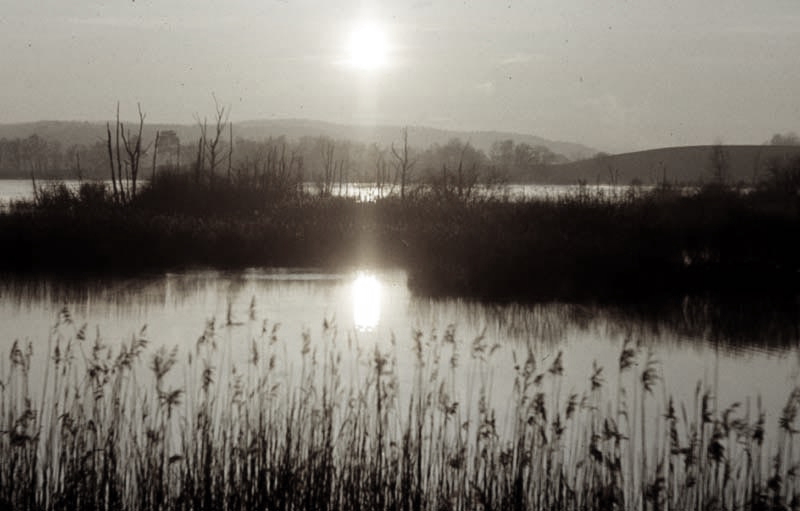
(331, 425)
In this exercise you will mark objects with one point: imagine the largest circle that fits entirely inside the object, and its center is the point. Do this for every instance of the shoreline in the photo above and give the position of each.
(583, 246)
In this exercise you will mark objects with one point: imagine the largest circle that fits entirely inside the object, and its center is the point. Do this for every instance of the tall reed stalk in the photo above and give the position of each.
(332, 424)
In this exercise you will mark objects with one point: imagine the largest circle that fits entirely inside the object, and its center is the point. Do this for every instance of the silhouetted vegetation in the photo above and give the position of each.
(69, 149)
(589, 245)
(329, 424)
(783, 180)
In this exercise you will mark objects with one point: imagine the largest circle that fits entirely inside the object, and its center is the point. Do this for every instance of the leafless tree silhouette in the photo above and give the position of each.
(403, 163)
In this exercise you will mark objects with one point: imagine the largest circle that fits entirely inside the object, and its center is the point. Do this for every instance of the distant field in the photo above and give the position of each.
(675, 164)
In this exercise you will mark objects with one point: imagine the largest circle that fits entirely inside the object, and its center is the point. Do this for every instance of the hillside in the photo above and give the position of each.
(77, 132)
(674, 164)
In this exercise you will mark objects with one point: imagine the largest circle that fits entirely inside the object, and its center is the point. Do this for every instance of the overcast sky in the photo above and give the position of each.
(616, 75)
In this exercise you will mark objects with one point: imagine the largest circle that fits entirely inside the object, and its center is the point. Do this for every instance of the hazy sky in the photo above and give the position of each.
(616, 75)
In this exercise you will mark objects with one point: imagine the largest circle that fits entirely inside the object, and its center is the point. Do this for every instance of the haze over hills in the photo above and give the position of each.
(689, 164)
(78, 132)
(418, 136)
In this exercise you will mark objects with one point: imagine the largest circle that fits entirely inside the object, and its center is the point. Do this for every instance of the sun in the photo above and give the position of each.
(368, 47)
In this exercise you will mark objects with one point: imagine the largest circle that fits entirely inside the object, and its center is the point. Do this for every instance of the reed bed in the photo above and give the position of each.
(328, 423)
(592, 245)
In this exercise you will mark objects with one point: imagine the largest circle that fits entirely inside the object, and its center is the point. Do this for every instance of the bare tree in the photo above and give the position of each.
(124, 185)
(209, 149)
(119, 158)
(214, 156)
(133, 147)
(404, 164)
(381, 169)
(461, 182)
(111, 163)
(201, 153)
(271, 167)
(329, 165)
(155, 155)
(78, 169)
(606, 160)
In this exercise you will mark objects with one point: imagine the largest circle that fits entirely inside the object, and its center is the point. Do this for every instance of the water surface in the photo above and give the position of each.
(745, 350)
(22, 189)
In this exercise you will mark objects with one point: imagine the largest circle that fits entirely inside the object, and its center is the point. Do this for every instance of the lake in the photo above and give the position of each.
(22, 189)
(745, 350)
(268, 364)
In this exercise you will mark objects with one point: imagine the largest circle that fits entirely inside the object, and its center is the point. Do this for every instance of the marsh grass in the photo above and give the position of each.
(594, 244)
(331, 424)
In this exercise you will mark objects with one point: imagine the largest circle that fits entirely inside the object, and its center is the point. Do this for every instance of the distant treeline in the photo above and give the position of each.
(320, 159)
(218, 149)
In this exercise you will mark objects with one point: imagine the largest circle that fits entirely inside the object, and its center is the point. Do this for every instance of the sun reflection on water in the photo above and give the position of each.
(366, 301)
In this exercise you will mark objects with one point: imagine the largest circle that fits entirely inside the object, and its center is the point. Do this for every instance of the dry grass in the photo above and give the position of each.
(328, 424)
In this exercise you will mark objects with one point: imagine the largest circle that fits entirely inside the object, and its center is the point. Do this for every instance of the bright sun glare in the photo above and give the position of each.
(368, 47)
(366, 301)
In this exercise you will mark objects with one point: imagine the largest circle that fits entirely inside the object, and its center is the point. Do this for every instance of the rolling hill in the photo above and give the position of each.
(689, 164)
